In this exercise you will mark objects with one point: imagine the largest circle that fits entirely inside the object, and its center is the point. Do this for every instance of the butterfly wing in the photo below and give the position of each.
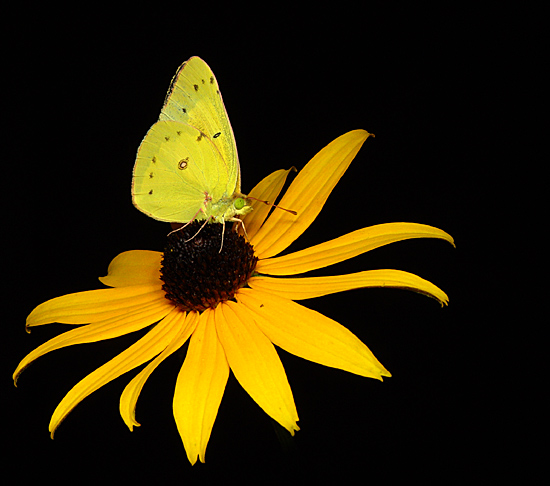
(177, 172)
(194, 98)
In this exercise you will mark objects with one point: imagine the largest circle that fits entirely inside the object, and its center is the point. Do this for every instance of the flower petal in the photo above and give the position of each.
(309, 334)
(310, 287)
(134, 267)
(347, 246)
(143, 350)
(135, 319)
(267, 189)
(199, 387)
(307, 194)
(94, 305)
(256, 364)
(128, 399)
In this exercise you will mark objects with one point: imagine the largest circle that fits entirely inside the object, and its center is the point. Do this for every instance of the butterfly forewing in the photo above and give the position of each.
(194, 98)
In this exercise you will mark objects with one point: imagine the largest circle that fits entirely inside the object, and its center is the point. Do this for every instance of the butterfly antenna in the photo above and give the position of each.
(273, 205)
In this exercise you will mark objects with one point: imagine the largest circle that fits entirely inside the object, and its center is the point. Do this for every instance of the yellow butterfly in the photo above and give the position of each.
(187, 166)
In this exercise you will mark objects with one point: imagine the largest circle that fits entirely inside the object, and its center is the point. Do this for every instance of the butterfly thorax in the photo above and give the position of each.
(226, 208)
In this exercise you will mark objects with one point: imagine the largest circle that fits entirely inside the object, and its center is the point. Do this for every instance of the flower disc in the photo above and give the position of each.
(196, 274)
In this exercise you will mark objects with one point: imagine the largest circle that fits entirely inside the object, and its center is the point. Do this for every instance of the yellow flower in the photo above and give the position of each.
(232, 305)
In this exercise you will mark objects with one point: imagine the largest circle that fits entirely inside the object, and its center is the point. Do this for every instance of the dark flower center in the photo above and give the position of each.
(196, 274)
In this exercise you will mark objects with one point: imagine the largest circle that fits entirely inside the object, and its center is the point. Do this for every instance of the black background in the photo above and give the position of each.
(427, 81)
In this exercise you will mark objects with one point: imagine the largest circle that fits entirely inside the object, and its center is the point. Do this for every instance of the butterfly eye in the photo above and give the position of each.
(239, 203)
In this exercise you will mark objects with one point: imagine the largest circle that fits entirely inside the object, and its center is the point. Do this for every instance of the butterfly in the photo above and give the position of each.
(187, 167)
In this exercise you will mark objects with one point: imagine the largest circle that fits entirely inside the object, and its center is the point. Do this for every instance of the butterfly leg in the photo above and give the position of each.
(188, 222)
(200, 229)
(237, 220)
(223, 233)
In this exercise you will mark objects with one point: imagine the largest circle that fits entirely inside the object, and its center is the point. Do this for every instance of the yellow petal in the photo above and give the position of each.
(135, 267)
(347, 246)
(309, 334)
(131, 393)
(93, 305)
(307, 194)
(256, 364)
(143, 350)
(199, 387)
(310, 287)
(134, 319)
(267, 189)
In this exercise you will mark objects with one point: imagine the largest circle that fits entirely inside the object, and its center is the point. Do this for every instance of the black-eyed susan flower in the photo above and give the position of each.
(232, 305)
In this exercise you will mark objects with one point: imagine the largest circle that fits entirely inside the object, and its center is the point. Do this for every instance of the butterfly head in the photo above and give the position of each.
(241, 204)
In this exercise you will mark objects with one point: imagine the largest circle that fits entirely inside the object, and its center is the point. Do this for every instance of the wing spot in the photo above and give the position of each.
(199, 138)
(196, 86)
(184, 110)
(167, 139)
(211, 79)
(151, 191)
(150, 175)
(182, 164)
(203, 81)
(179, 132)
(154, 160)
(216, 135)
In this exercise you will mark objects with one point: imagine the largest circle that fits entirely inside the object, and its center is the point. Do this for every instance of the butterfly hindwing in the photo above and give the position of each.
(177, 169)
